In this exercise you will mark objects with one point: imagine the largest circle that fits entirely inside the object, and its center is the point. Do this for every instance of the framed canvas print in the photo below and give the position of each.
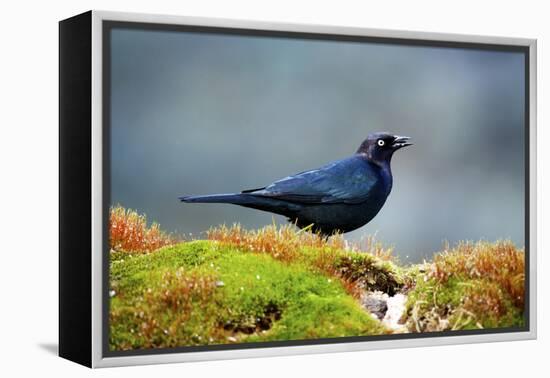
(233, 189)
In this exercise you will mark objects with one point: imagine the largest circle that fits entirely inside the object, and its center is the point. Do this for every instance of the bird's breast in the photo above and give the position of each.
(386, 180)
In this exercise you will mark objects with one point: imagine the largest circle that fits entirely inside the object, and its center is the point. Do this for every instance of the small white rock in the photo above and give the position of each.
(396, 308)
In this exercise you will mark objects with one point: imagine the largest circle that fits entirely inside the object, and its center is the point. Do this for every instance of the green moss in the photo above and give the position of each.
(459, 303)
(371, 273)
(206, 293)
(317, 316)
(212, 292)
(469, 286)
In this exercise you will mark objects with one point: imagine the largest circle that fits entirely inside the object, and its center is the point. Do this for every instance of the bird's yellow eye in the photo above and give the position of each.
(381, 142)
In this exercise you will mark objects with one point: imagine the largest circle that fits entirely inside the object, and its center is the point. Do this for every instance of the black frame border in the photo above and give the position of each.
(75, 188)
(108, 26)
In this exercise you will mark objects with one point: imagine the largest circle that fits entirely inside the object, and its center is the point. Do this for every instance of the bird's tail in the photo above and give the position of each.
(234, 198)
(285, 208)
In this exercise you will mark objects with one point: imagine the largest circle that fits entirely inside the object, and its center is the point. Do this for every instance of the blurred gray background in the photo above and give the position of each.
(203, 113)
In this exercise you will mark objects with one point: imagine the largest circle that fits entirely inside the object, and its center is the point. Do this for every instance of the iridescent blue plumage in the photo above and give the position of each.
(338, 197)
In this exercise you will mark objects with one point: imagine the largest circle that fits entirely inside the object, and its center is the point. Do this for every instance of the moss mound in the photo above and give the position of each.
(206, 292)
(472, 286)
(278, 283)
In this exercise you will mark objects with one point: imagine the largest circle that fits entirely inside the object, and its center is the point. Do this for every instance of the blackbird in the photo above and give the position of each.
(338, 197)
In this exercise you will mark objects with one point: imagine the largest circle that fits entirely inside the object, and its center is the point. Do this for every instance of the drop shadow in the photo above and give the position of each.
(51, 348)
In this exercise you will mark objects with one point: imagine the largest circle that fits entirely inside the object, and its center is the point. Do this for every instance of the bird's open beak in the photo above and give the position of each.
(400, 142)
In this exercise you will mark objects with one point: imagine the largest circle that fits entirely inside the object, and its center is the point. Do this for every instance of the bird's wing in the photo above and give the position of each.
(344, 181)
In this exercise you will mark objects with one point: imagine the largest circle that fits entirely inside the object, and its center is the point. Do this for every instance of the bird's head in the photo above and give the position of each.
(379, 147)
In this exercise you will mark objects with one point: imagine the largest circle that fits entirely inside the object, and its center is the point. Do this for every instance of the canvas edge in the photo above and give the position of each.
(97, 200)
(97, 190)
(533, 223)
(74, 274)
